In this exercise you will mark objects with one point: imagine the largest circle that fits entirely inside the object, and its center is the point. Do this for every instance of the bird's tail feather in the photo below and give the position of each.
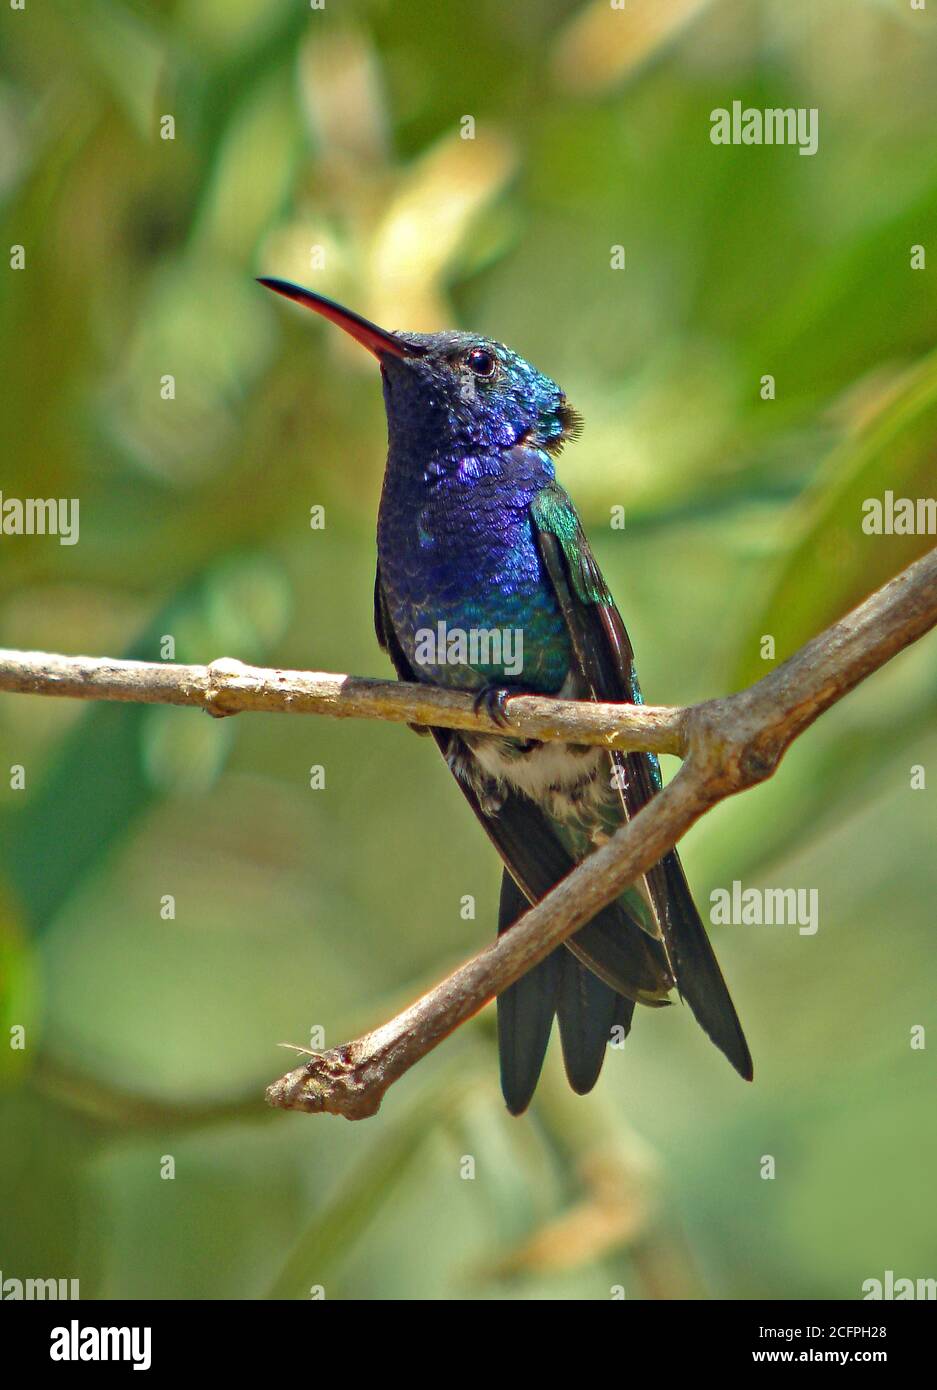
(525, 1011)
(586, 1008)
(699, 978)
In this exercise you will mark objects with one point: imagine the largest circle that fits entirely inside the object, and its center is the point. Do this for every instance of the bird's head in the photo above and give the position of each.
(453, 391)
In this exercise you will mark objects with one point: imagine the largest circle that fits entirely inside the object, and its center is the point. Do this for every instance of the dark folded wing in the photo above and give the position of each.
(605, 660)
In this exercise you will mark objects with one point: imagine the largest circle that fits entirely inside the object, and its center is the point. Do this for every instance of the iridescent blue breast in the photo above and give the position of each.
(463, 578)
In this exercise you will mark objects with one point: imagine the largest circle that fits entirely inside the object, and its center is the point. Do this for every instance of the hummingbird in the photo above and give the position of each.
(477, 539)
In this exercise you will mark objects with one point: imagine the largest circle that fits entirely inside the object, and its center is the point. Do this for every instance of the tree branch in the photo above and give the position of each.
(728, 745)
(231, 687)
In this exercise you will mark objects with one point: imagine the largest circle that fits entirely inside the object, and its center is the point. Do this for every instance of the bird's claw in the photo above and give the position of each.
(493, 701)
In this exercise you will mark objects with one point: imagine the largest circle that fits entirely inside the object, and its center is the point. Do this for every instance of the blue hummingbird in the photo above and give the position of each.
(477, 541)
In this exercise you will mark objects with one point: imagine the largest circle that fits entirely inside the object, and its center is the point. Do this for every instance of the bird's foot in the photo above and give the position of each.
(493, 700)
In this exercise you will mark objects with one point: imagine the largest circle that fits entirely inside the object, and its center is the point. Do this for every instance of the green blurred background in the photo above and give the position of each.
(326, 146)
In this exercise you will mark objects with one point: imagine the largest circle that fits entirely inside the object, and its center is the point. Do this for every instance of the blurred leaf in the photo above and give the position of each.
(426, 222)
(253, 172)
(332, 1232)
(612, 1214)
(127, 50)
(222, 28)
(394, 255)
(19, 988)
(340, 80)
(184, 757)
(206, 327)
(101, 782)
(606, 42)
(832, 564)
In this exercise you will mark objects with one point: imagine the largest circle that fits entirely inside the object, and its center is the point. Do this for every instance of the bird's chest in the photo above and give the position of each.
(465, 586)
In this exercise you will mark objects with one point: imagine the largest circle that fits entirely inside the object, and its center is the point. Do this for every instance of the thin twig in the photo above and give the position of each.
(228, 687)
(728, 745)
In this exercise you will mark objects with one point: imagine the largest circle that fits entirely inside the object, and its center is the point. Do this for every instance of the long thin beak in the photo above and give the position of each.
(376, 340)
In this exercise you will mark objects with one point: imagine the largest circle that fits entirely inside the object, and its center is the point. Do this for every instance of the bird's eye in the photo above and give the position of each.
(481, 362)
